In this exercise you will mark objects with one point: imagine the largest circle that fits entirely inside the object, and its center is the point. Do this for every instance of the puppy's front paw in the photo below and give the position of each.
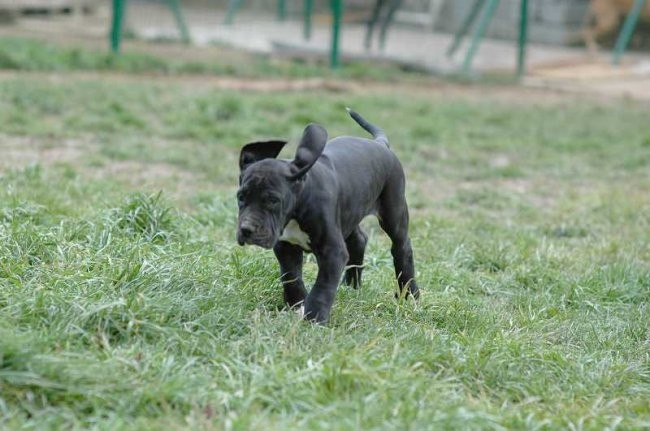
(320, 316)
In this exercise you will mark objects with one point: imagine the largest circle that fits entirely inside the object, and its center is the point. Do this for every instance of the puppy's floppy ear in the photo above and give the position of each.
(256, 151)
(310, 148)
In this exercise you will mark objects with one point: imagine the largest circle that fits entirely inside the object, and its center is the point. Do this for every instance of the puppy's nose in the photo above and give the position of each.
(246, 231)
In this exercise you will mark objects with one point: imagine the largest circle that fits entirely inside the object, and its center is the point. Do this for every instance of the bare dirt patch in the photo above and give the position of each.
(432, 87)
(542, 194)
(149, 176)
(21, 151)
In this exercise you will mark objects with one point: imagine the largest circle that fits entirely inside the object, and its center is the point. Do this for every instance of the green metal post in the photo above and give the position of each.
(478, 33)
(462, 31)
(116, 25)
(523, 37)
(233, 7)
(337, 11)
(627, 30)
(175, 7)
(306, 28)
(282, 10)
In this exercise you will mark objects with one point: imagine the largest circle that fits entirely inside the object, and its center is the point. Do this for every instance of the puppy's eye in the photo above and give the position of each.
(240, 198)
(272, 200)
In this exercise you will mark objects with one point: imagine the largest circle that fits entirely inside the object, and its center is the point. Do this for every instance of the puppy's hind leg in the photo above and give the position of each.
(356, 245)
(394, 220)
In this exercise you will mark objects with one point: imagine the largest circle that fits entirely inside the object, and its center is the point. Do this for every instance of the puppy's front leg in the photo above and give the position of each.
(331, 256)
(290, 259)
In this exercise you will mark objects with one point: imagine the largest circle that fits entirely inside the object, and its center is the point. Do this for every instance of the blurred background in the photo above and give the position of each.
(580, 45)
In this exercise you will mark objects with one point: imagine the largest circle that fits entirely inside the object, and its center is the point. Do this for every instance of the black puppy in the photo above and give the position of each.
(315, 203)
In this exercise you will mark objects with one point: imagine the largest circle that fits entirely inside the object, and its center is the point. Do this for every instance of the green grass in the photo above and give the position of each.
(37, 55)
(126, 303)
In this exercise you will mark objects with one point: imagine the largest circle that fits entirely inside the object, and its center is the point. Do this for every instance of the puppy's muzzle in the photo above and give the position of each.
(251, 234)
(244, 234)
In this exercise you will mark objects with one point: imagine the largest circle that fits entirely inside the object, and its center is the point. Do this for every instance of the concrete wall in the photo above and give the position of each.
(549, 21)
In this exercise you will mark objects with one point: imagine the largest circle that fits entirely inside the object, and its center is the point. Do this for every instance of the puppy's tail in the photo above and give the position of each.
(375, 131)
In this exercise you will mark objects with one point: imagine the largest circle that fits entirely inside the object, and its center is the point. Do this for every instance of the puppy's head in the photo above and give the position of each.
(268, 187)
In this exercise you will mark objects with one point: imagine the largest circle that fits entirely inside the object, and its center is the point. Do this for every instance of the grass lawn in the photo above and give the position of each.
(125, 302)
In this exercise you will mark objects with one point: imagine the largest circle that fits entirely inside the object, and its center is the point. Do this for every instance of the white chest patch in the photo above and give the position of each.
(294, 235)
